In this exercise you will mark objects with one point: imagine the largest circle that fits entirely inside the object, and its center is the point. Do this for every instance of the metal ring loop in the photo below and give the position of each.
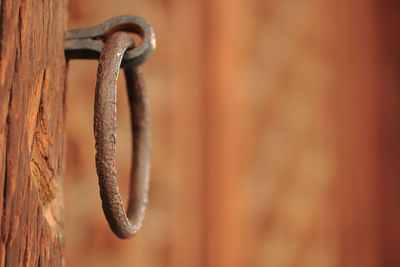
(124, 225)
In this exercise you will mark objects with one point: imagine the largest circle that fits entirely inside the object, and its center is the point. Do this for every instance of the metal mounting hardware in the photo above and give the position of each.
(114, 49)
(87, 43)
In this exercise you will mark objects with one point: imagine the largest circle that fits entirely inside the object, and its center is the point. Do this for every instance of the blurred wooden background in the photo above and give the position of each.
(275, 128)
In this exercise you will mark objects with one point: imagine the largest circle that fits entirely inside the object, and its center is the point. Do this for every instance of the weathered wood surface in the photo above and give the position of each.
(32, 108)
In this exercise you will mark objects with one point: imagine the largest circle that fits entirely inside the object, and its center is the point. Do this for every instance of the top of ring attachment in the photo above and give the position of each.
(87, 43)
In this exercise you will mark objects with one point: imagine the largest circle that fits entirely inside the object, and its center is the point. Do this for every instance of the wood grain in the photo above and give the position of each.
(32, 145)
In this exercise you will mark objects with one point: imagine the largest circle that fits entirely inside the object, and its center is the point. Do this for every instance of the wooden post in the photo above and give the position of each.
(186, 136)
(32, 110)
(369, 121)
(223, 109)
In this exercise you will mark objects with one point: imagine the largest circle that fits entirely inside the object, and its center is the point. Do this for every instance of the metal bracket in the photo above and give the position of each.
(87, 43)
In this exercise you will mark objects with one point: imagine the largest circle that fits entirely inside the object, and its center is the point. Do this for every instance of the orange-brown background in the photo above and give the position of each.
(275, 136)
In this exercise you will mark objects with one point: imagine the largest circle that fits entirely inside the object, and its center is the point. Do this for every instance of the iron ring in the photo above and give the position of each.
(123, 224)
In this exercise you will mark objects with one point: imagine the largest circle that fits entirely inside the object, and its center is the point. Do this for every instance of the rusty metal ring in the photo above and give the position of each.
(124, 225)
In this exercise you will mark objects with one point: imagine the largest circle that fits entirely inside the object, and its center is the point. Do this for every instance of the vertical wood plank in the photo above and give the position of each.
(388, 130)
(32, 74)
(223, 132)
(186, 131)
(369, 124)
(357, 121)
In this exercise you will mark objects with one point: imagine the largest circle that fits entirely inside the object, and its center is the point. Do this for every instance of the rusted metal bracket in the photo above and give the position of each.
(112, 45)
(87, 43)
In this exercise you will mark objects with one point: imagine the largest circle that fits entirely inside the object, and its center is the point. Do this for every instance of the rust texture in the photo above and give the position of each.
(124, 225)
(32, 147)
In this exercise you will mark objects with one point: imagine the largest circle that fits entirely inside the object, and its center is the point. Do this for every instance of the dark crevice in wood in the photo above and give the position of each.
(3, 219)
(25, 259)
(12, 85)
(39, 236)
(8, 207)
(4, 224)
(20, 25)
(20, 35)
